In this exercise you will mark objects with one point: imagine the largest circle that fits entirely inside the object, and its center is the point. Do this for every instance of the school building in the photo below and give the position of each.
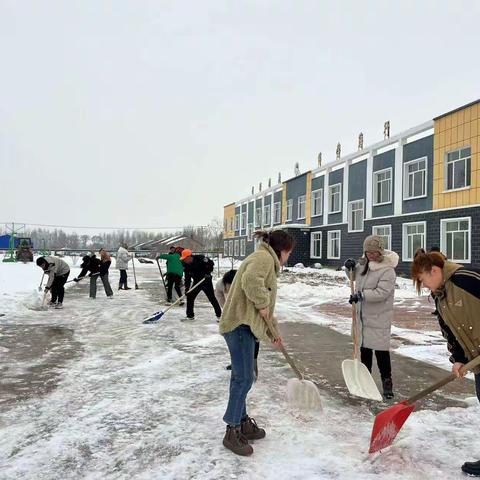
(419, 188)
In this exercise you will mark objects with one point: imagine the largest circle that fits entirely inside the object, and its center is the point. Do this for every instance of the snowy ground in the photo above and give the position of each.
(146, 402)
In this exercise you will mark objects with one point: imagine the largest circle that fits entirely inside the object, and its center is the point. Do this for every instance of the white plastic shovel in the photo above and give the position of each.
(358, 379)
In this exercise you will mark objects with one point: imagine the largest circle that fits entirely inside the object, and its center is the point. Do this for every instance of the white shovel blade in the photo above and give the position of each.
(359, 380)
(303, 394)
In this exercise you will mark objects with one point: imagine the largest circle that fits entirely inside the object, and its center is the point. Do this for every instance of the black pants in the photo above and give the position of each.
(383, 361)
(123, 278)
(58, 289)
(207, 287)
(173, 279)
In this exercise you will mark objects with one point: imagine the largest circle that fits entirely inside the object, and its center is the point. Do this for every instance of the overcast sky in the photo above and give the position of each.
(154, 113)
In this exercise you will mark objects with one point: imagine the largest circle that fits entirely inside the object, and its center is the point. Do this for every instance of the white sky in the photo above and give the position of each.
(154, 113)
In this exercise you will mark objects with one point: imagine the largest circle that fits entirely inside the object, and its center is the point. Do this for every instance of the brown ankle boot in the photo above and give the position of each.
(251, 430)
(235, 441)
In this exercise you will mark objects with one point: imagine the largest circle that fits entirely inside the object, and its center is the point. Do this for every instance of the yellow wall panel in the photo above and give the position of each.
(460, 133)
(468, 115)
(474, 128)
(447, 199)
(454, 119)
(441, 201)
(441, 138)
(454, 138)
(466, 130)
(466, 194)
(448, 137)
(461, 117)
(448, 122)
(475, 111)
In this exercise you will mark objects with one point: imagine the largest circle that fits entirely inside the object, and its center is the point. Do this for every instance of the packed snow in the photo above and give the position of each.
(146, 401)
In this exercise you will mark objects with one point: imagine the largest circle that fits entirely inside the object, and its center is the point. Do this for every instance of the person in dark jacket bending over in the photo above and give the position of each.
(456, 290)
(197, 268)
(97, 268)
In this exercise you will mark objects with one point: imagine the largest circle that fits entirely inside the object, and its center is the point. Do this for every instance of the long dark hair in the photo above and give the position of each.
(279, 240)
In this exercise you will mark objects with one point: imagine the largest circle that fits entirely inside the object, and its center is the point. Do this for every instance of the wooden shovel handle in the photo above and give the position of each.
(288, 358)
(469, 366)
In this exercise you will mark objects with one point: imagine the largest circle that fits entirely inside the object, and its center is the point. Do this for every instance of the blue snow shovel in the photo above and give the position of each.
(158, 315)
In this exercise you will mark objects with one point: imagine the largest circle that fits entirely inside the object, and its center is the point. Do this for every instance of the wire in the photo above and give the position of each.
(104, 228)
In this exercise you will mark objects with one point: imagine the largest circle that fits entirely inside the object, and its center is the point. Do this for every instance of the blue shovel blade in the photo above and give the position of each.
(154, 318)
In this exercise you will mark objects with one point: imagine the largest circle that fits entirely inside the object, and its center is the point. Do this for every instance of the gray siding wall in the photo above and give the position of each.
(333, 178)
(380, 162)
(295, 188)
(412, 151)
(357, 181)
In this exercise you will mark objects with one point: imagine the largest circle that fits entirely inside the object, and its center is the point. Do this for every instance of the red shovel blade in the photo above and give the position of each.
(387, 425)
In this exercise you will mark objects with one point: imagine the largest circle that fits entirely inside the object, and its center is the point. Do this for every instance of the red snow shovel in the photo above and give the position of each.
(389, 422)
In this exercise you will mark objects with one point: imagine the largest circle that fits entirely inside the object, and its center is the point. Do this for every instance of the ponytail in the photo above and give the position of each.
(279, 240)
(423, 262)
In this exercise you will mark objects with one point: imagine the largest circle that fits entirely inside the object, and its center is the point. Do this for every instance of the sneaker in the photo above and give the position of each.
(235, 441)
(471, 468)
(52, 304)
(387, 388)
(251, 430)
(126, 288)
(59, 306)
(187, 319)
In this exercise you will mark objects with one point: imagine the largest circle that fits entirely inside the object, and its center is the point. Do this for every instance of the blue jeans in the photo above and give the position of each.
(241, 344)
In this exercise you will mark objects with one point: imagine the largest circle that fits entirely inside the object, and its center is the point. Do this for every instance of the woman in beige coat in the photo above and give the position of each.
(375, 286)
(247, 317)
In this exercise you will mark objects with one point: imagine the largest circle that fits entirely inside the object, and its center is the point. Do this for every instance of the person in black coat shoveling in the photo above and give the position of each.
(197, 268)
(58, 272)
(94, 265)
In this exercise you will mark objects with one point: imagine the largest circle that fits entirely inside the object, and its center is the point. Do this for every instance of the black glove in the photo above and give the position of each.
(46, 289)
(208, 277)
(350, 264)
(355, 298)
(76, 280)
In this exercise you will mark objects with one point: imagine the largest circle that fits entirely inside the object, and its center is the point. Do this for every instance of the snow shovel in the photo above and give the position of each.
(158, 315)
(358, 379)
(41, 306)
(41, 281)
(302, 394)
(163, 278)
(134, 276)
(389, 422)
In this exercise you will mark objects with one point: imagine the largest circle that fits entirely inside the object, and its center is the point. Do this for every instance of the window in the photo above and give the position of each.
(355, 216)
(242, 247)
(236, 251)
(458, 167)
(289, 210)
(413, 237)
(301, 207)
(333, 247)
(455, 239)
(243, 221)
(231, 223)
(415, 179)
(237, 222)
(277, 212)
(230, 248)
(250, 232)
(335, 198)
(384, 231)
(317, 202)
(258, 217)
(316, 245)
(267, 216)
(225, 225)
(225, 248)
(382, 187)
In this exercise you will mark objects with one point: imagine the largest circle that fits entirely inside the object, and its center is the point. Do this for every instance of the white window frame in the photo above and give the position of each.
(277, 212)
(443, 237)
(225, 248)
(468, 181)
(258, 217)
(230, 248)
(267, 215)
(375, 186)
(330, 203)
(243, 220)
(405, 256)
(236, 249)
(289, 207)
(329, 249)
(406, 176)
(350, 218)
(315, 237)
(302, 200)
(237, 222)
(313, 212)
(389, 244)
(242, 247)
(250, 232)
